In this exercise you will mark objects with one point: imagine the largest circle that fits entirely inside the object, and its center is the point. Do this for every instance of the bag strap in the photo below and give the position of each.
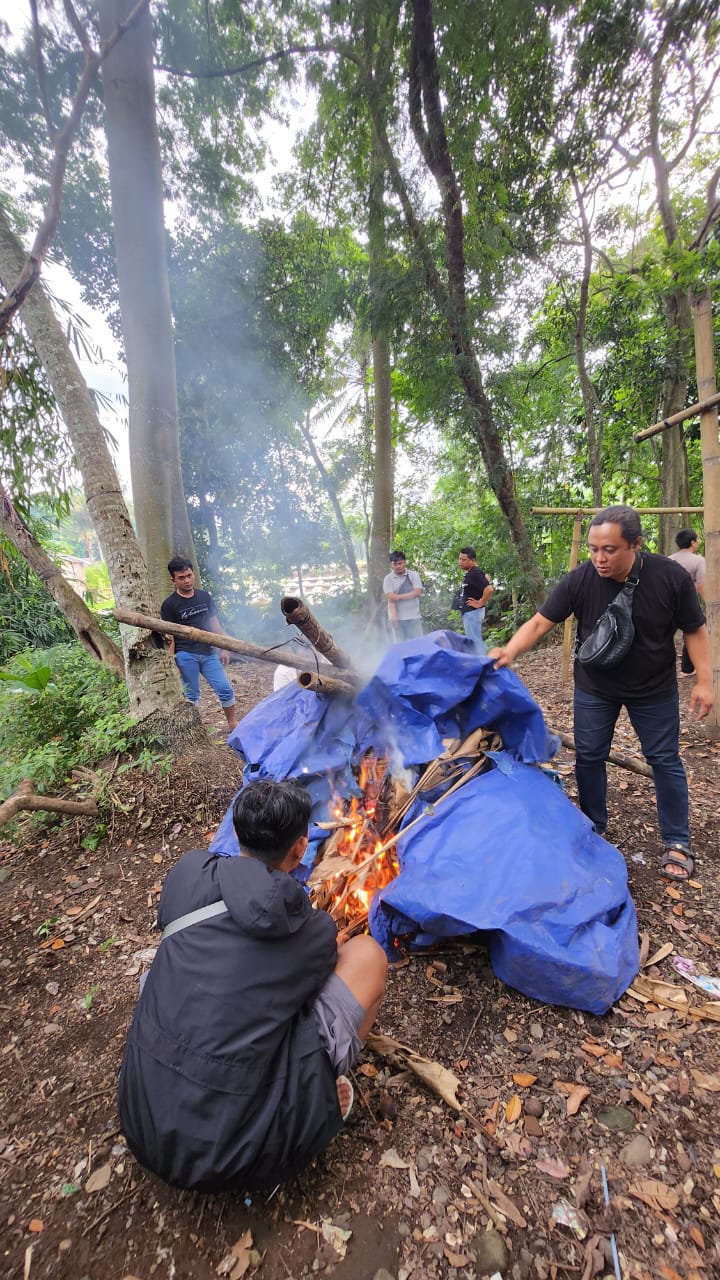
(633, 577)
(194, 917)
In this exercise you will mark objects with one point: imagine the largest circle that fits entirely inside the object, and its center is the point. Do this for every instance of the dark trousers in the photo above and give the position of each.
(657, 725)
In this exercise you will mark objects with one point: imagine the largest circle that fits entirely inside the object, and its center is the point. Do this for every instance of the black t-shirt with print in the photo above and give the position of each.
(192, 611)
(664, 601)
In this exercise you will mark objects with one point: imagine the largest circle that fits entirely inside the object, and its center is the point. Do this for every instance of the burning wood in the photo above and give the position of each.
(358, 857)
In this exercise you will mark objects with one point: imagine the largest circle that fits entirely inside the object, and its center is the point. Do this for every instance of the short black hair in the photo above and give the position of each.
(684, 539)
(626, 517)
(270, 816)
(177, 564)
(468, 551)
(398, 555)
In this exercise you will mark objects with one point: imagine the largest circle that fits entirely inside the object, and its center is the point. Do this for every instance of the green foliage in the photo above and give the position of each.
(79, 719)
(28, 614)
(27, 675)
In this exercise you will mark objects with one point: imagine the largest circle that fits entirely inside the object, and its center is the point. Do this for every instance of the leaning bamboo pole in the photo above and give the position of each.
(614, 757)
(692, 411)
(285, 656)
(705, 367)
(297, 614)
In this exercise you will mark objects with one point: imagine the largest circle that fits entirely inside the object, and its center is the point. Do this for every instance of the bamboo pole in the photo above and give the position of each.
(693, 411)
(568, 627)
(325, 684)
(298, 615)
(593, 511)
(705, 367)
(244, 647)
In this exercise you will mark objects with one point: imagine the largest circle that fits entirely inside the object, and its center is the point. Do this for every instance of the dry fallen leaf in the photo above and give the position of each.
(697, 1237)
(444, 1082)
(524, 1079)
(456, 1259)
(655, 1194)
(576, 1099)
(554, 1168)
(513, 1110)
(336, 1236)
(706, 1080)
(238, 1260)
(99, 1179)
(506, 1206)
(36, 1225)
(643, 1098)
(391, 1160)
(596, 1050)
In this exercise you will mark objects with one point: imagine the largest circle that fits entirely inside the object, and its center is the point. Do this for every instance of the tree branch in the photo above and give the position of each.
(219, 72)
(41, 69)
(62, 142)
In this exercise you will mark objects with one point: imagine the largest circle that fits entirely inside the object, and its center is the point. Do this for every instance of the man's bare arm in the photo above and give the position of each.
(525, 637)
(697, 644)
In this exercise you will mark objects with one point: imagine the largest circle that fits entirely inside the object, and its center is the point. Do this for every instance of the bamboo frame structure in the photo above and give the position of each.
(693, 411)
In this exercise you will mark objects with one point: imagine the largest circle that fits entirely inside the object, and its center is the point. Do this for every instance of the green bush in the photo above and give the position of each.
(79, 719)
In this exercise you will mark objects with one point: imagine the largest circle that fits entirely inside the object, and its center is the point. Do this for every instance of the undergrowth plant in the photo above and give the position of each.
(79, 718)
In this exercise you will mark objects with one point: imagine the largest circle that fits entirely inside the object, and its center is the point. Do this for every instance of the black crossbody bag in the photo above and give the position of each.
(611, 637)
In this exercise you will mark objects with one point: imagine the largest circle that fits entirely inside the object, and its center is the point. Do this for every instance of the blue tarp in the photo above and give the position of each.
(507, 854)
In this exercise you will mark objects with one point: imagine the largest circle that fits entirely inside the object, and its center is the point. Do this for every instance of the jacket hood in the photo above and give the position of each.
(263, 903)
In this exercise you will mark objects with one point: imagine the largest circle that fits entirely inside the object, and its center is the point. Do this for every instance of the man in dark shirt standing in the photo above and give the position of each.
(475, 592)
(645, 682)
(193, 607)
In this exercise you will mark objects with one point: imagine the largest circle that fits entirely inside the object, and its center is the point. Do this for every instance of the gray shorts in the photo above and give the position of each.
(338, 1016)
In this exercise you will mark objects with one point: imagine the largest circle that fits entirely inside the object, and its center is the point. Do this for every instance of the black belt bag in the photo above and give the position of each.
(611, 637)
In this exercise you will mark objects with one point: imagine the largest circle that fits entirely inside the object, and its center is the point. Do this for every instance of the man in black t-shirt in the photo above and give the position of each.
(193, 607)
(475, 592)
(645, 682)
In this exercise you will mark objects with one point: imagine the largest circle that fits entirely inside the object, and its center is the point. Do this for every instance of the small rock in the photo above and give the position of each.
(533, 1107)
(440, 1195)
(684, 1160)
(533, 1128)
(491, 1252)
(637, 1152)
(64, 1245)
(618, 1118)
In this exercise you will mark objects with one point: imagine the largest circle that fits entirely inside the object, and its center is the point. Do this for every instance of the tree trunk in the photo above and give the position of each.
(425, 105)
(137, 210)
(332, 494)
(591, 403)
(382, 510)
(152, 678)
(85, 626)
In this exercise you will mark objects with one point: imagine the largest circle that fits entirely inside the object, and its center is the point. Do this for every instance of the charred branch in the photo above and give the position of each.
(325, 684)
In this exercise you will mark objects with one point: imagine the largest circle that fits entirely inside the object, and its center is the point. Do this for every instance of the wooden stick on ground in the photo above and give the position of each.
(24, 798)
(615, 757)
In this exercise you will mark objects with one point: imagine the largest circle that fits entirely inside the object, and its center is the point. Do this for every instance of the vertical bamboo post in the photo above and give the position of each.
(705, 365)
(567, 630)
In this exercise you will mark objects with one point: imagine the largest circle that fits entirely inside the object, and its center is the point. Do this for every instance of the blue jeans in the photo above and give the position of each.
(192, 665)
(406, 629)
(657, 725)
(472, 622)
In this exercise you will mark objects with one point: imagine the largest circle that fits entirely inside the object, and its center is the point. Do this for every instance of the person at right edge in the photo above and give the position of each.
(644, 681)
(686, 541)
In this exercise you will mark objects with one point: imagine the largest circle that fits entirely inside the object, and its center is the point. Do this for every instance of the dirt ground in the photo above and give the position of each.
(511, 1185)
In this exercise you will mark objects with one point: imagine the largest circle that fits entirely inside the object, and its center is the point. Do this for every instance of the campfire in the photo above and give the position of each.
(359, 856)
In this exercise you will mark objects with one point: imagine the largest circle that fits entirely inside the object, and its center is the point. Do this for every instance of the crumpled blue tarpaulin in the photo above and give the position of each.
(507, 854)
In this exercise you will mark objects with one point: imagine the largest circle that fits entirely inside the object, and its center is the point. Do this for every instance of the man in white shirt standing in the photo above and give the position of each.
(403, 588)
(686, 555)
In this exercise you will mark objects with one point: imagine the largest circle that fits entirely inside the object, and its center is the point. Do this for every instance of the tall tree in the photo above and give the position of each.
(137, 207)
